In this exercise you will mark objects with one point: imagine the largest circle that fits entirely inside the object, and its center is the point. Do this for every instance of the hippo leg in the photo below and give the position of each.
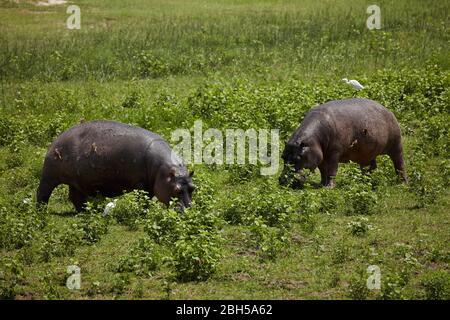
(77, 198)
(328, 171)
(399, 165)
(372, 166)
(323, 176)
(45, 190)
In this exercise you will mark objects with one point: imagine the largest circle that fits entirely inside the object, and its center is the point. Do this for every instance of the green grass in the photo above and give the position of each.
(261, 39)
(246, 64)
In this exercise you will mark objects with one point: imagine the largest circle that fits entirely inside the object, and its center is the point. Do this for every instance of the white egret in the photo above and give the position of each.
(354, 83)
(109, 207)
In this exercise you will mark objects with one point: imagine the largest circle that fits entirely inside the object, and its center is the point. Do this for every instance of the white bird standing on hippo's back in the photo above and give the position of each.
(354, 83)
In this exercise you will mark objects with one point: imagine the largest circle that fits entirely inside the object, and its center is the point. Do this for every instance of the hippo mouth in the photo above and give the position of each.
(184, 201)
(293, 177)
(298, 167)
(182, 206)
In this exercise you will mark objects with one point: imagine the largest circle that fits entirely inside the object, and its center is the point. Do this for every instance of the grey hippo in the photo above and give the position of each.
(109, 158)
(339, 131)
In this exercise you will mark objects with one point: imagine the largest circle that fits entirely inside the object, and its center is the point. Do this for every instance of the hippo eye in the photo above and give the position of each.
(177, 188)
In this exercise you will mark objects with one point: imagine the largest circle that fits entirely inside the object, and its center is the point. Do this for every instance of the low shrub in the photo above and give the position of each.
(93, 225)
(268, 202)
(195, 256)
(436, 285)
(143, 258)
(393, 287)
(359, 227)
(357, 289)
(130, 207)
(150, 66)
(425, 189)
(270, 241)
(162, 225)
(11, 277)
(192, 237)
(19, 226)
(57, 241)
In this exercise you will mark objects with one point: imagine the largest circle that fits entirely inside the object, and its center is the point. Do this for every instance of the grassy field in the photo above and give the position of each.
(243, 64)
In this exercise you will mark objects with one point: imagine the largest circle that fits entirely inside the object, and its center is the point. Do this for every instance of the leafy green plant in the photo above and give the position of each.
(195, 257)
(150, 66)
(340, 253)
(243, 173)
(434, 132)
(143, 258)
(130, 207)
(11, 277)
(393, 287)
(269, 202)
(19, 226)
(50, 284)
(360, 200)
(436, 285)
(384, 175)
(133, 100)
(308, 222)
(192, 237)
(198, 248)
(60, 242)
(119, 283)
(161, 225)
(94, 226)
(357, 289)
(271, 241)
(444, 169)
(359, 227)
(426, 191)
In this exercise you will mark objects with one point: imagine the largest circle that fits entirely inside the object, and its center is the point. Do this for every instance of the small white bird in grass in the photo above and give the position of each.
(109, 207)
(354, 83)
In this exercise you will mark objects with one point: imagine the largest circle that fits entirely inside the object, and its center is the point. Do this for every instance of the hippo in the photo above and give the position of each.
(109, 158)
(340, 131)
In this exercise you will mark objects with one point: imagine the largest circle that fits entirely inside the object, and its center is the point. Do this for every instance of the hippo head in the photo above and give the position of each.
(175, 182)
(299, 155)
